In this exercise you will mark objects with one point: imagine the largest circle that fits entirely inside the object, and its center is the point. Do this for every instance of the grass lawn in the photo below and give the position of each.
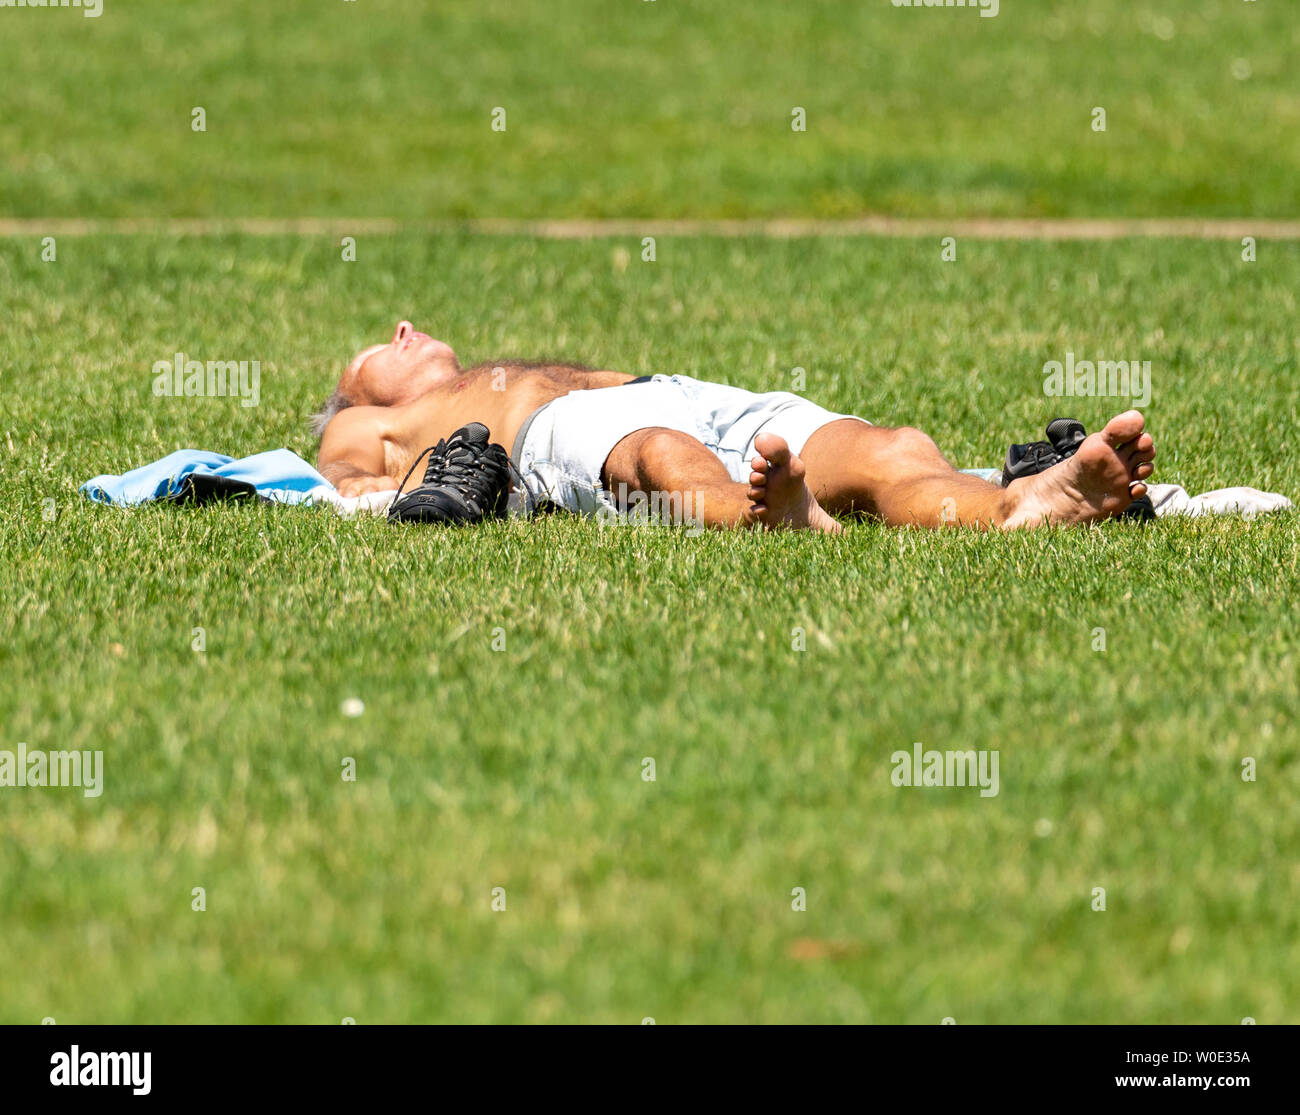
(521, 768)
(628, 108)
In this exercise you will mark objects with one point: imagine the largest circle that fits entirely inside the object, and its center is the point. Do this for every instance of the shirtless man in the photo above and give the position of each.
(776, 460)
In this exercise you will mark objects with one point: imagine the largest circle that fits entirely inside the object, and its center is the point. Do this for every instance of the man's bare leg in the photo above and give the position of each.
(900, 476)
(668, 461)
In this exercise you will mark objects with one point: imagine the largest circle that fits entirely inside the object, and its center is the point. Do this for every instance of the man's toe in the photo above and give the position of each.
(1123, 429)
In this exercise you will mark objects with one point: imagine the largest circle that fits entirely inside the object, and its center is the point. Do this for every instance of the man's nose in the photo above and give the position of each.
(404, 330)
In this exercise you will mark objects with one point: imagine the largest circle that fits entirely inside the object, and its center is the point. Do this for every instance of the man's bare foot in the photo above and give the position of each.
(1102, 478)
(781, 499)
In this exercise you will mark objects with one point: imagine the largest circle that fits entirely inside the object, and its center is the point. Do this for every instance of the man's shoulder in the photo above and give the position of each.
(356, 419)
(352, 429)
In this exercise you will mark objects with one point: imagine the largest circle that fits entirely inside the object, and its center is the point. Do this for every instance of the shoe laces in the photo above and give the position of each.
(462, 465)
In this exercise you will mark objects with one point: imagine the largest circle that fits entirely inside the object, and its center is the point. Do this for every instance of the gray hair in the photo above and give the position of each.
(335, 403)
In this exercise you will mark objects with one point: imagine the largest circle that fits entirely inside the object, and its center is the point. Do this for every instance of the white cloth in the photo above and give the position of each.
(1170, 499)
(372, 503)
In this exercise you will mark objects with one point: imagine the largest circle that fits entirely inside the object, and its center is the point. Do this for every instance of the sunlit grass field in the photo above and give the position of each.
(385, 108)
(522, 768)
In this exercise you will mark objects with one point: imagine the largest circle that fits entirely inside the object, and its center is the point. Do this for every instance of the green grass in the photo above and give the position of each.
(522, 768)
(382, 108)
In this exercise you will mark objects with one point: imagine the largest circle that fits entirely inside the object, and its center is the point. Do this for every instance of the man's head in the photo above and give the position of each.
(386, 375)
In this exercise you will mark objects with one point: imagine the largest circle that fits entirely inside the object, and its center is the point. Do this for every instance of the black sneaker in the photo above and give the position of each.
(1065, 435)
(466, 480)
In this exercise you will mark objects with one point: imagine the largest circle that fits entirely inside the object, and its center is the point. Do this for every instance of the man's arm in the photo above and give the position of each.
(351, 454)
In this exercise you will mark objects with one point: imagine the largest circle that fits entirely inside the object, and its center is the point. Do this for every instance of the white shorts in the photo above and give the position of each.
(562, 447)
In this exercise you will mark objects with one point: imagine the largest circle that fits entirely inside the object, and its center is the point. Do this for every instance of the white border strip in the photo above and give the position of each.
(980, 228)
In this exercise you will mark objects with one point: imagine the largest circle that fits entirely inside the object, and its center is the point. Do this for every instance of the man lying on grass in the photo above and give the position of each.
(775, 459)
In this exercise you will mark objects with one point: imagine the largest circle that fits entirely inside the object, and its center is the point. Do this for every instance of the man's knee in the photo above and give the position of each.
(907, 443)
(660, 444)
(647, 457)
(661, 451)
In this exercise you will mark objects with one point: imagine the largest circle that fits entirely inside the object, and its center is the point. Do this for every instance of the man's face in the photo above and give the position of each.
(400, 371)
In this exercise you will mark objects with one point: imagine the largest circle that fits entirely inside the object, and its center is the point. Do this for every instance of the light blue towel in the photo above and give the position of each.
(278, 475)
